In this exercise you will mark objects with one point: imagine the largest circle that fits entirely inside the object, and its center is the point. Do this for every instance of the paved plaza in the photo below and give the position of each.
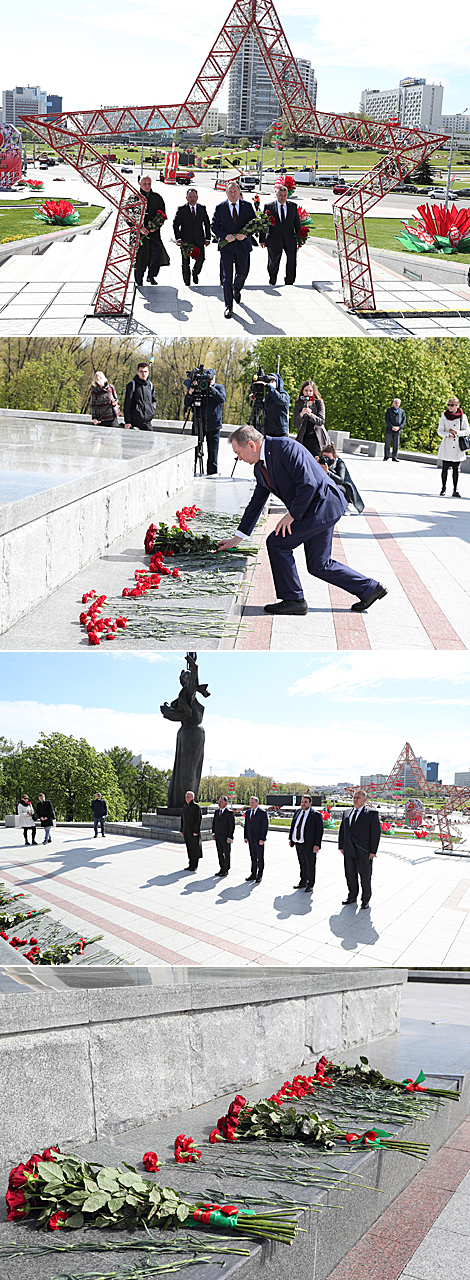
(149, 908)
(53, 293)
(414, 542)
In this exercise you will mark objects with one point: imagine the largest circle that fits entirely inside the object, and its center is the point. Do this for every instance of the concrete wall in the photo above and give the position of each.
(81, 526)
(79, 1065)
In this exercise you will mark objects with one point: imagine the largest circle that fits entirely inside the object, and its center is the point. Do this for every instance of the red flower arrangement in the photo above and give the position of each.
(185, 1150)
(150, 1161)
(195, 252)
(285, 180)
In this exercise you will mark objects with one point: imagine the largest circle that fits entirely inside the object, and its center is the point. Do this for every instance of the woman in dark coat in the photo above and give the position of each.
(309, 419)
(338, 471)
(151, 254)
(105, 409)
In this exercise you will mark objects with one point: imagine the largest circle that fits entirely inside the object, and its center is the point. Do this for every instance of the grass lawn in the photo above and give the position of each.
(380, 235)
(20, 224)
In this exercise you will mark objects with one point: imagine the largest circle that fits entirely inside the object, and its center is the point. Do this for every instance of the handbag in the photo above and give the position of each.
(464, 443)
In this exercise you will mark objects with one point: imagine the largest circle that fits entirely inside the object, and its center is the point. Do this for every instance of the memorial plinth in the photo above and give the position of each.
(165, 824)
(69, 490)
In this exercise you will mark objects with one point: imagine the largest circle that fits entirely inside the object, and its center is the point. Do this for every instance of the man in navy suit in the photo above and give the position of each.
(358, 840)
(281, 236)
(256, 830)
(306, 833)
(314, 504)
(230, 217)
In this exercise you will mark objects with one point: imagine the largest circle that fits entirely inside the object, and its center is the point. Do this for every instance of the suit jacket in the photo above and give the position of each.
(282, 234)
(222, 222)
(308, 493)
(313, 829)
(223, 826)
(256, 828)
(192, 230)
(191, 818)
(365, 836)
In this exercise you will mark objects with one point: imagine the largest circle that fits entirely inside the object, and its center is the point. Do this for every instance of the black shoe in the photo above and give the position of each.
(219, 873)
(299, 607)
(224, 874)
(309, 888)
(228, 313)
(96, 835)
(103, 833)
(348, 902)
(187, 281)
(237, 295)
(456, 494)
(395, 459)
(442, 493)
(377, 594)
(258, 879)
(247, 878)
(300, 885)
(151, 280)
(273, 283)
(195, 279)
(364, 906)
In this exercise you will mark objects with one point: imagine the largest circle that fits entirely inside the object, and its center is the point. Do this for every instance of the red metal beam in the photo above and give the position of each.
(405, 148)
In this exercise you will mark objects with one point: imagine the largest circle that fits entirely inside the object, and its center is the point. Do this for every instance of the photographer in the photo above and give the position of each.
(211, 403)
(275, 403)
(337, 469)
(309, 419)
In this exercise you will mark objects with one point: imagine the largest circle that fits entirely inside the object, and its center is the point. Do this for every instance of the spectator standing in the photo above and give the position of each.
(395, 419)
(276, 408)
(100, 810)
(26, 817)
(105, 409)
(46, 815)
(309, 419)
(140, 400)
(453, 425)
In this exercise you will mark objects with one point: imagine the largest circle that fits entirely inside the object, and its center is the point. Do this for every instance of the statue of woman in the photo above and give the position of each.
(189, 754)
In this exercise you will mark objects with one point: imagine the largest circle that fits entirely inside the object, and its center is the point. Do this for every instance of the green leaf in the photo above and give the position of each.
(106, 1182)
(183, 1211)
(130, 1199)
(94, 1202)
(76, 1197)
(49, 1171)
(115, 1203)
(75, 1220)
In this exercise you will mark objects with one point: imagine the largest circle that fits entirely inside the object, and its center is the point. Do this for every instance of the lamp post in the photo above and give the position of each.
(451, 152)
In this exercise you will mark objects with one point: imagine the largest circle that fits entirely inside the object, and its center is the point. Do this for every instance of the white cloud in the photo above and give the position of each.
(365, 677)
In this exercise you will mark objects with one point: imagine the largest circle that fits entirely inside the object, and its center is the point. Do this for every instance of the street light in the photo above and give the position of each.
(449, 166)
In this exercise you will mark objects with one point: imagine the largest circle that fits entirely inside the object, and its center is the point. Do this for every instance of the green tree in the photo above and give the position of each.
(70, 772)
(51, 383)
(206, 140)
(144, 787)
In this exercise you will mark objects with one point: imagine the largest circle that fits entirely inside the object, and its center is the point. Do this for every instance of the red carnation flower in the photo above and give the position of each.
(57, 1220)
(150, 1161)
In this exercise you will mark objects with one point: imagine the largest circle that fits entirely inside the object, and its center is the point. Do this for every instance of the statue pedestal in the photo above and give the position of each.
(165, 824)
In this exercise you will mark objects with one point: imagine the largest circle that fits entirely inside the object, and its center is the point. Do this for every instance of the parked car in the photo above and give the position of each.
(464, 193)
(406, 189)
(126, 168)
(341, 189)
(437, 193)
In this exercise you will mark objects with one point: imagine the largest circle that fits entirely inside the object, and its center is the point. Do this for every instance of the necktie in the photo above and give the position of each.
(193, 211)
(265, 474)
(283, 213)
(298, 827)
(234, 213)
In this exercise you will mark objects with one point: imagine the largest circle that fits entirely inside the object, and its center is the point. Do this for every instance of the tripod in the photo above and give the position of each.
(257, 419)
(197, 430)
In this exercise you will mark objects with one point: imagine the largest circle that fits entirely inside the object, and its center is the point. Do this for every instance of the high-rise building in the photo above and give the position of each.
(28, 100)
(253, 103)
(376, 779)
(413, 103)
(462, 779)
(432, 770)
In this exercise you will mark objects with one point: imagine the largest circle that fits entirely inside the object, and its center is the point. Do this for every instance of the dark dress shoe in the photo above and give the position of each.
(364, 906)
(298, 607)
(308, 888)
(228, 313)
(348, 902)
(151, 279)
(377, 594)
(300, 885)
(195, 279)
(258, 879)
(247, 878)
(237, 295)
(219, 873)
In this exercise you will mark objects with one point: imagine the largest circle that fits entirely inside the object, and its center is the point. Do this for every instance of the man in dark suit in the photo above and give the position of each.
(191, 225)
(151, 254)
(314, 504)
(359, 838)
(395, 419)
(223, 827)
(191, 818)
(230, 217)
(306, 833)
(256, 830)
(282, 236)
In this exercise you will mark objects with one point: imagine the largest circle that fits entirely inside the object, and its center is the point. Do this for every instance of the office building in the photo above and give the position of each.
(28, 100)
(414, 103)
(252, 100)
(432, 771)
(462, 779)
(373, 779)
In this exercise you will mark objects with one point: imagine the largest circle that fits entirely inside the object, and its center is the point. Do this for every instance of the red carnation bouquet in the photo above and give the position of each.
(306, 226)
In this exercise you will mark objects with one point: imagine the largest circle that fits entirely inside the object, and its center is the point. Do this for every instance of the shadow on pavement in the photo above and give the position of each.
(354, 931)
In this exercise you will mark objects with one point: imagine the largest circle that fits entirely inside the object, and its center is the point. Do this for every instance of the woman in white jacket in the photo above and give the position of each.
(453, 424)
(26, 817)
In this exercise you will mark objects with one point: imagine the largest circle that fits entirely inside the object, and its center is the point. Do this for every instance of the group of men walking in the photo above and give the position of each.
(358, 841)
(193, 232)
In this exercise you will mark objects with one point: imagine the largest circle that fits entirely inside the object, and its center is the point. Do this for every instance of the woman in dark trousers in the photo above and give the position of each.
(46, 815)
(309, 419)
(105, 409)
(338, 471)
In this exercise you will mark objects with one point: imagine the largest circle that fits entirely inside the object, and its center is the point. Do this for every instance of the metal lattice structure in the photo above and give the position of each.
(405, 148)
(407, 757)
(455, 798)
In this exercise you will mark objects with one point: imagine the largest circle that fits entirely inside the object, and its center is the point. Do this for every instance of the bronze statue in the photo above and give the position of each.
(189, 754)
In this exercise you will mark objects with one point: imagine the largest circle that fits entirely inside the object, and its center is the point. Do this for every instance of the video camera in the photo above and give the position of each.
(199, 379)
(259, 382)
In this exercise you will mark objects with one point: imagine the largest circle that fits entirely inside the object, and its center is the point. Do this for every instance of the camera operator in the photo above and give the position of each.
(211, 395)
(275, 402)
(309, 419)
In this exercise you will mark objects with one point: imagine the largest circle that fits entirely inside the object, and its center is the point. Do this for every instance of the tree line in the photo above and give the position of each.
(357, 377)
(70, 771)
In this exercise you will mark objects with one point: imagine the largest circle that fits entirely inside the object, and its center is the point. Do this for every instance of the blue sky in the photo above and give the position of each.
(134, 52)
(324, 717)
